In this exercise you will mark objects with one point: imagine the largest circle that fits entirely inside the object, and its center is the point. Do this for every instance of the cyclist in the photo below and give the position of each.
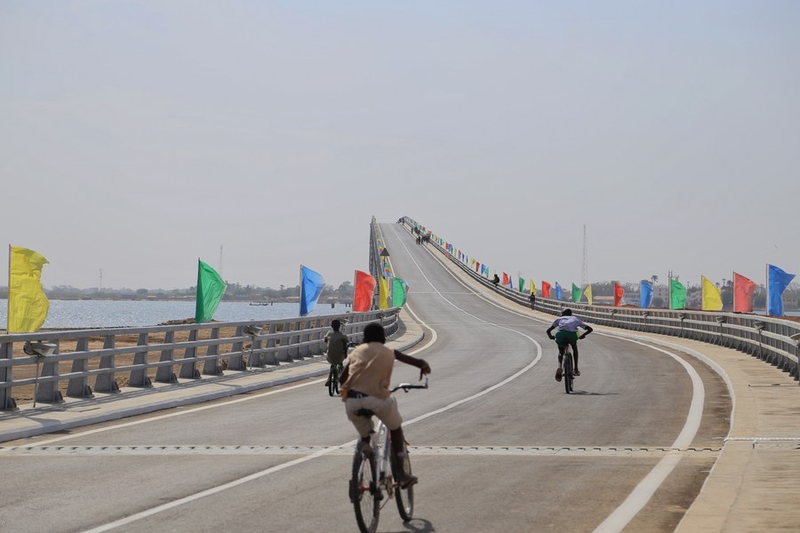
(567, 334)
(337, 345)
(365, 381)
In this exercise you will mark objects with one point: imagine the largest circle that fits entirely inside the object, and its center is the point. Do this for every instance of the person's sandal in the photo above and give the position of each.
(559, 373)
(576, 373)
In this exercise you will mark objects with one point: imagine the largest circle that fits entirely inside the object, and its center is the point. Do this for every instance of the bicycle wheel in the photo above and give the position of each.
(568, 376)
(404, 497)
(333, 381)
(364, 494)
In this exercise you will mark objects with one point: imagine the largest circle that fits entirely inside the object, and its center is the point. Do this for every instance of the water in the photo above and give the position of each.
(122, 313)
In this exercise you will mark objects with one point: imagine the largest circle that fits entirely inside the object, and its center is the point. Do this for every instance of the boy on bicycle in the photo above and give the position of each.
(567, 334)
(337, 345)
(366, 378)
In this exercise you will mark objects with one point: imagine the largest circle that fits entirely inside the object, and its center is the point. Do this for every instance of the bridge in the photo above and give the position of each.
(679, 423)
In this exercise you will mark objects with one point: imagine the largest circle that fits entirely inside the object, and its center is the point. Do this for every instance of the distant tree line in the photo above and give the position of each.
(234, 291)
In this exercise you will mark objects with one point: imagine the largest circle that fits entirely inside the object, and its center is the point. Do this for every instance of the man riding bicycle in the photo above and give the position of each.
(366, 378)
(567, 334)
(337, 345)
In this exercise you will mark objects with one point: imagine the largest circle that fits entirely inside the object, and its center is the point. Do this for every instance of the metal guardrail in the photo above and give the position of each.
(772, 340)
(154, 352)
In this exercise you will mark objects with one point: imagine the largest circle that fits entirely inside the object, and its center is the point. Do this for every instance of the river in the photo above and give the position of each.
(121, 313)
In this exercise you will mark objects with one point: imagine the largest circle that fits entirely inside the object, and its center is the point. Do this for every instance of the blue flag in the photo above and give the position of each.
(558, 291)
(311, 284)
(777, 282)
(646, 289)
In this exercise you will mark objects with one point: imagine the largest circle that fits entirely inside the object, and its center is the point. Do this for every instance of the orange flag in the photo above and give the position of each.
(743, 290)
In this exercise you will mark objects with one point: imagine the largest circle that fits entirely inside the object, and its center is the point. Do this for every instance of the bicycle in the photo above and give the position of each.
(333, 379)
(373, 477)
(335, 372)
(568, 366)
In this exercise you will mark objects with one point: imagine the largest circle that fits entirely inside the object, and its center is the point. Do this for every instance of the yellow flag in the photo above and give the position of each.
(383, 294)
(27, 304)
(533, 287)
(588, 293)
(712, 300)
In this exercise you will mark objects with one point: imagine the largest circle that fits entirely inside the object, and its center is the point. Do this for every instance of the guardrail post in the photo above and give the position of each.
(189, 369)
(235, 360)
(106, 382)
(139, 377)
(79, 387)
(8, 403)
(796, 339)
(48, 392)
(212, 366)
(164, 374)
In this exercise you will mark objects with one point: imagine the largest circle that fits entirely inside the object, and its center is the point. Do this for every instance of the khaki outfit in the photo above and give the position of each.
(369, 376)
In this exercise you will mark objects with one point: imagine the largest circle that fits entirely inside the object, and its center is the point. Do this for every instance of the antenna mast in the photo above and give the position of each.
(101, 278)
(585, 269)
(220, 261)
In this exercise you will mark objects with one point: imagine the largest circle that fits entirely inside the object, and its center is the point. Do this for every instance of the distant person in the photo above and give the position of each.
(567, 333)
(533, 301)
(366, 379)
(337, 345)
(496, 280)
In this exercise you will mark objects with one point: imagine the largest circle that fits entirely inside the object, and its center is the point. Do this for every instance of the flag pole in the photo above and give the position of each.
(300, 300)
(733, 288)
(766, 302)
(8, 311)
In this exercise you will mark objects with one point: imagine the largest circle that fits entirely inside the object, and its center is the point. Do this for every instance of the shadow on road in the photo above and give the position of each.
(588, 393)
(418, 525)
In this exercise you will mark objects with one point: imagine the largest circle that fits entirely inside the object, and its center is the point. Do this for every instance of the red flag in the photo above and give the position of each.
(505, 279)
(477, 266)
(545, 289)
(364, 289)
(743, 290)
(618, 292)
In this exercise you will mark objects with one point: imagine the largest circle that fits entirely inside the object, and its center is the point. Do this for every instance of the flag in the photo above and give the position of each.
(576, 293)
(383, 294)
(743, 290)
(311, 284)
(545, 289)
(27, 303)
(777, 281)
(618, 294)
(399, 292)
(506, 279)
(646, 289)
(533, 287)
(558, 291)
(677, 295)
(521, 284)
(588, 293)
(363, 291)
(210, 288)
(711, 297)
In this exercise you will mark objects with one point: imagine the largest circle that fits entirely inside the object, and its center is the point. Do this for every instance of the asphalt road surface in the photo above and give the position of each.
(496, 443)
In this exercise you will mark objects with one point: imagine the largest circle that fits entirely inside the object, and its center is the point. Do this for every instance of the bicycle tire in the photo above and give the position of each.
(404, 497)
(364, 494)
(333, 382)
(568, 376)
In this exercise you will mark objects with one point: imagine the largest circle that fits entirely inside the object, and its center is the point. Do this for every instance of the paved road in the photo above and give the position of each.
(498, 446)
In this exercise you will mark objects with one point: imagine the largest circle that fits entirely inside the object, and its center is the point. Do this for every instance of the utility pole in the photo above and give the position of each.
(101, 278)
(585, 269)
(220, 261)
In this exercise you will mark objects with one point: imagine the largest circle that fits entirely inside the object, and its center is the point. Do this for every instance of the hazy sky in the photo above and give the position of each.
(139, 136)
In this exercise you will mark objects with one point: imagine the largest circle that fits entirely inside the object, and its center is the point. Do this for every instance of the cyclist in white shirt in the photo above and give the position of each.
(567, 333)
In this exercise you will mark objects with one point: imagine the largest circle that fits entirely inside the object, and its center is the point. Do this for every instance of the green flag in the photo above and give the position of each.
(210, 289)
(521, 284)
(576, 293)
(399, 292)
(677, 295)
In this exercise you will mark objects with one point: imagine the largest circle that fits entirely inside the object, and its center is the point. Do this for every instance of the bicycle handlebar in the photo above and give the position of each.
(408, 386)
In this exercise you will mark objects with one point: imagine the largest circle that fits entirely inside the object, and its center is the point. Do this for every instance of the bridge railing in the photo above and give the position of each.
(100, 360)
(773, 340)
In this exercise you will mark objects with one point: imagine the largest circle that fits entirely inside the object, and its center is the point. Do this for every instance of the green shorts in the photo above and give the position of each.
(566, 337)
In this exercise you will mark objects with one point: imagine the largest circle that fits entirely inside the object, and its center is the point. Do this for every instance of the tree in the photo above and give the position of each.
(654, 278)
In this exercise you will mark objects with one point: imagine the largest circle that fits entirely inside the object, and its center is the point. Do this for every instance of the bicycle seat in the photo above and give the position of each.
(365, 412)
